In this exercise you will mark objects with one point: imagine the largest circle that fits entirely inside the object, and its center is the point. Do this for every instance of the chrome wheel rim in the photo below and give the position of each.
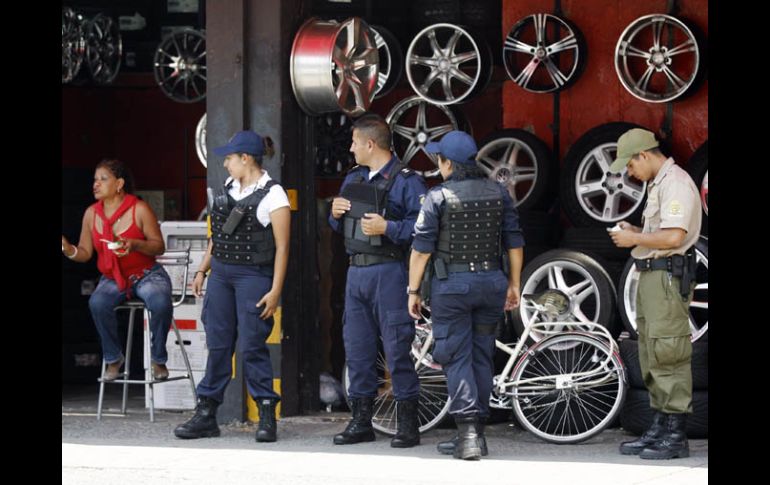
(510, 162)
(72, 44)
(200, 139)
(104, 48)
(657, 58)
(180, 66)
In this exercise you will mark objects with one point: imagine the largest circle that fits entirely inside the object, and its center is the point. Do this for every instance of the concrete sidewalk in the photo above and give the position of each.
(131, 450)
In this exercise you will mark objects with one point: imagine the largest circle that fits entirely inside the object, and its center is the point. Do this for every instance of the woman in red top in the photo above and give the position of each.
(129, 226)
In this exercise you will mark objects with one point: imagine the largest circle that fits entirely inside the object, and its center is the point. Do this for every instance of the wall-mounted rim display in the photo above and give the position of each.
(590, 194)
(448, 64)
(180, 65)
(391, 63)
(520, 161)
(334, 132)
(334, 66)
(104, 48)
(544, 53)
(72, 44)
(414, 122)
(200, 140)
(658, 58)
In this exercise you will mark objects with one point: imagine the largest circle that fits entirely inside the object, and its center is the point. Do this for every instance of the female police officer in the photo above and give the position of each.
(465, 223)
(250, 246)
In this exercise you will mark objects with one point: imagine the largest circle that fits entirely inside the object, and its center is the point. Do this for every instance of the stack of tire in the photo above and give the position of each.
(636, 414)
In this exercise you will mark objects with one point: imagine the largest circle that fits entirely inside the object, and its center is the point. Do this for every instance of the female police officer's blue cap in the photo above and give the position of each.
(242, 142)
(457, 146)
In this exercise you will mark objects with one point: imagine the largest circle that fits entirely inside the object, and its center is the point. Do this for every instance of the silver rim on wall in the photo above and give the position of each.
(200, 139)
(334, 66)
(180, 66)
(657, 58)
(72, 44)
(445, 64)
(543, 53)
(415, 122)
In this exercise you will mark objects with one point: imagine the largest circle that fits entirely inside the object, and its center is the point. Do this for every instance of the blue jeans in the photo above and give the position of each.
(154, 289)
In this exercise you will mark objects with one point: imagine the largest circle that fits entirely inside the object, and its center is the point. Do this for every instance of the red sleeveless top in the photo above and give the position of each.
(123, 268)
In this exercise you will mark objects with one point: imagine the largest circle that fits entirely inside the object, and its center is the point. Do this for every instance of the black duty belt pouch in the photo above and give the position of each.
(235, 217)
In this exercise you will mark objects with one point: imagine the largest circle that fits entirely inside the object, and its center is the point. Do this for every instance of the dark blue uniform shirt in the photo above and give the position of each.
(403, 201)
(429, 221)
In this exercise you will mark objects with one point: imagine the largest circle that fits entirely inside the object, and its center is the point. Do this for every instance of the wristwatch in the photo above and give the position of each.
(410, 291)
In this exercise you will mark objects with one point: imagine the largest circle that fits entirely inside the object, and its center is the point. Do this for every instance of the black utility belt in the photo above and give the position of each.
(673, 264)
(473, 266)
(371, 259)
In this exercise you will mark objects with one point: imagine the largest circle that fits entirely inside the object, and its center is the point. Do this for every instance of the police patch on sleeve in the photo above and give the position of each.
(420, 217)
(675, 209)
(422, 198)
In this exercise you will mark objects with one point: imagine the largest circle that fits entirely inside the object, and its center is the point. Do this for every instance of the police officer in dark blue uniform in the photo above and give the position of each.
(465, 224)
(248, 254)
(376, 210)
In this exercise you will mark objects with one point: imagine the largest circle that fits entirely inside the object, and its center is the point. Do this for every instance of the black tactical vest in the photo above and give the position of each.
(471, 222)
(251, 243)
(372, 198)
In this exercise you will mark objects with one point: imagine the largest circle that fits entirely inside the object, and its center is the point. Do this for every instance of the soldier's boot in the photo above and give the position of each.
(359, 428)
(674, 443)
(266, 432)
(408, 433)
(203, 424)
(650, 437)
(448, 447)
(468, 444)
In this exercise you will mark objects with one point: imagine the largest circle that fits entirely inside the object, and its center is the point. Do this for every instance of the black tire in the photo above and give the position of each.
(599, 309)
(396, 58)
(594, 240)
(600, 135)
(697, 166)
(626, 308)
(636, 414)
(629, 352)
(539, 194)
(427, 12)
(333, 132)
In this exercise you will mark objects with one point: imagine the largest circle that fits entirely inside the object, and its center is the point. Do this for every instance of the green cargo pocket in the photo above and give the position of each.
(671, 350)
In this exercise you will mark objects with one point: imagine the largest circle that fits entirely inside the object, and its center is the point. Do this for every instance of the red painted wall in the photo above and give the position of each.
(598, 96)
(134, 121)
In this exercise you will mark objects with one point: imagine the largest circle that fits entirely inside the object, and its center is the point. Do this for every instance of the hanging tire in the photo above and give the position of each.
(594, 240)
(636, 414)
(698, 307)
(698, 168)
(629, 352)
(391, 60)
(591, 195)
(580, 277)
(520, 161)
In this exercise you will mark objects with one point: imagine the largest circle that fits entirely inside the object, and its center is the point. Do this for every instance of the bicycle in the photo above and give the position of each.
(566, 388)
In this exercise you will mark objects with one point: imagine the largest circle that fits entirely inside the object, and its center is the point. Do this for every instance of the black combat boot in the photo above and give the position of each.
(203, 424)
(468, 443)
(448, 447)
(650, 437)
(408, 433)
(360, 427)
(267, 426)
(674, 443)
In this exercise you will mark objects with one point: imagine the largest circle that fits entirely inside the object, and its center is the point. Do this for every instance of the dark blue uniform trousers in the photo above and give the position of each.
(375, 303)
(229, 311)
(460, 305)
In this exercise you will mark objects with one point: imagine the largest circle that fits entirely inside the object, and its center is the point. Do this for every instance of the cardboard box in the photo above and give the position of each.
(173, 394)
(194, 345)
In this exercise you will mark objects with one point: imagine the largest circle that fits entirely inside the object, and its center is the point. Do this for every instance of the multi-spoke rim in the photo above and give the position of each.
(574, 281)
(334, 66)
(72, 44)
(333, 137)
(180, 66)
(104, 48)
(542, 53)
(511, 162)
(431, 122)
(200, 139)
(605, 196)
(704, 192)
(429, 64)
(657, 58)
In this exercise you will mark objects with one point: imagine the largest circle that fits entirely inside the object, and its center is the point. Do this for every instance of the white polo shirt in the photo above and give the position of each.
(275, 198)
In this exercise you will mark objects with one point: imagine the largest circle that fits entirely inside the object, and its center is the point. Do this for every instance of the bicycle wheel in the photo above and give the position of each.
(433, 403)
(563, 410)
